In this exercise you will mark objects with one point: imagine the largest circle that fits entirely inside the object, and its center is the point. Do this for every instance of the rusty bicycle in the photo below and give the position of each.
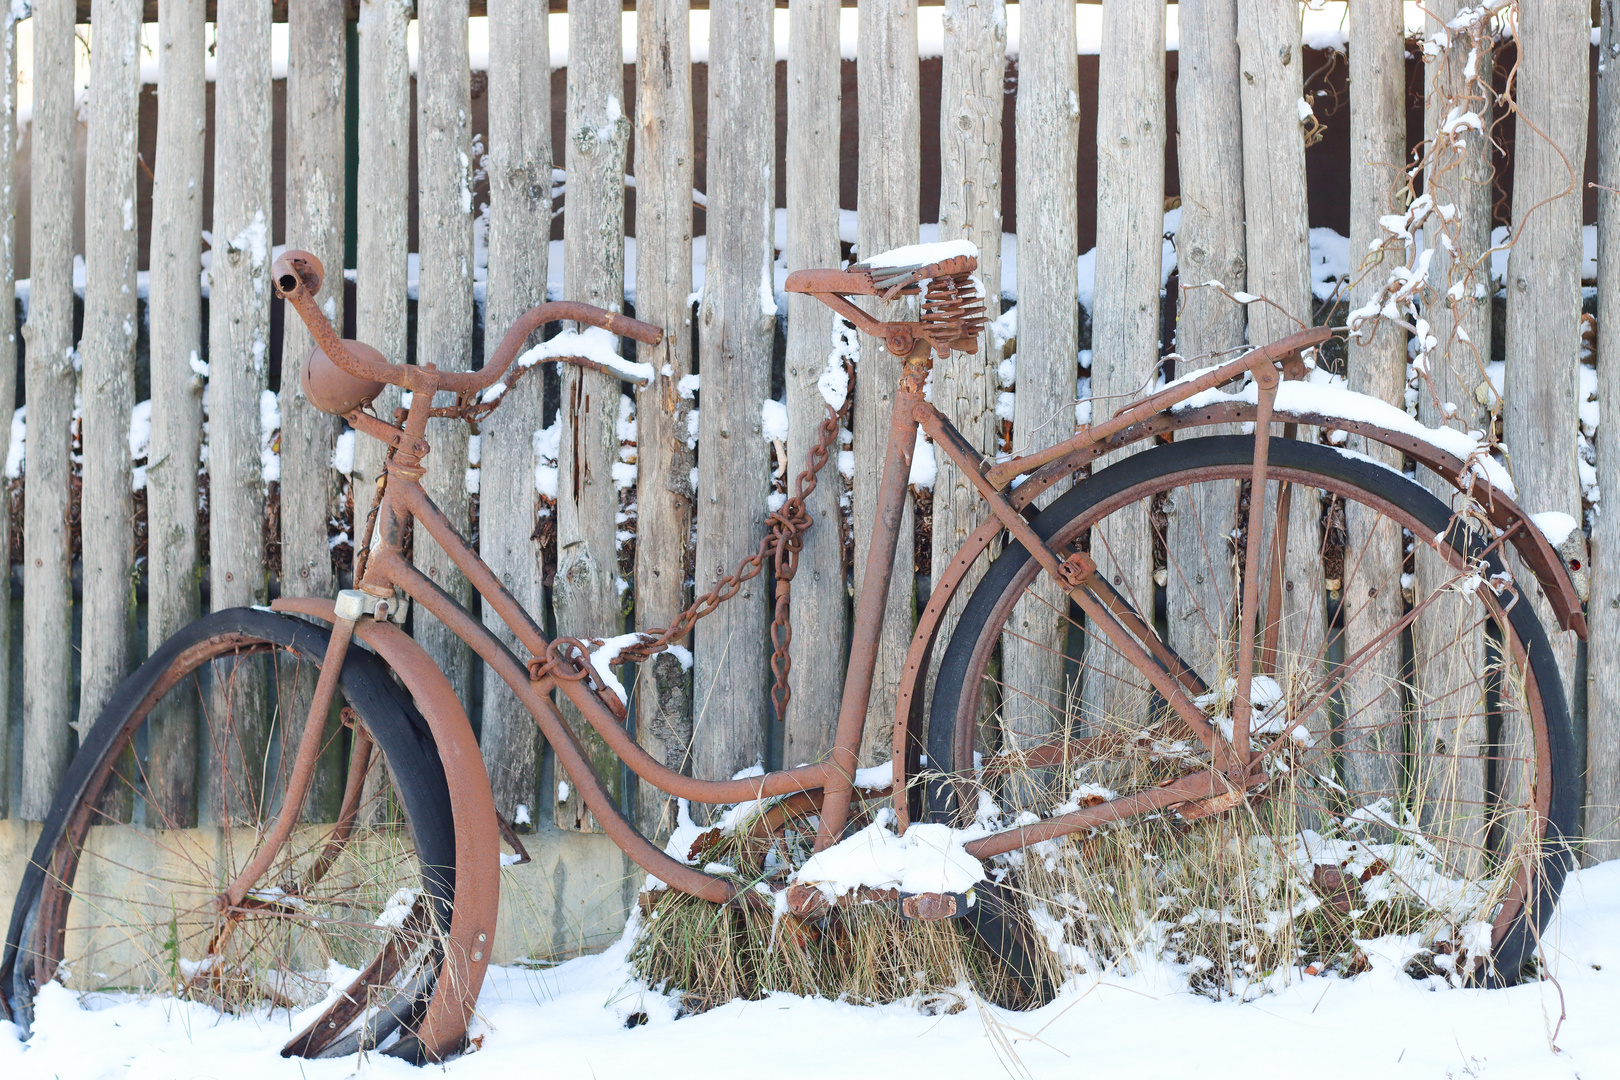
(1165, 619)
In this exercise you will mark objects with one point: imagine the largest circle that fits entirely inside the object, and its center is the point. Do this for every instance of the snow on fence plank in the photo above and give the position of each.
(586, 590)
(735, 333)
(663, 284)
(519, 210)
(50, 377)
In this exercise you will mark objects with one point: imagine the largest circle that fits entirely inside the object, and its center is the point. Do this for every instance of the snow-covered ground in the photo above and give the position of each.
(570, 1021)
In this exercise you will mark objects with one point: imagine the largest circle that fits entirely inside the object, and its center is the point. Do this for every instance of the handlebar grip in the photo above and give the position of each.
(296, 272)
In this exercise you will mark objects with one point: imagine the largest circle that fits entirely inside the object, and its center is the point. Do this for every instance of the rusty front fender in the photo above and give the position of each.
(472, 920)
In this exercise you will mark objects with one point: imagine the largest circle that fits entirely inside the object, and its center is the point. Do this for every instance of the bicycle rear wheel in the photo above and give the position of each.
(125, 889)
(1426, 787)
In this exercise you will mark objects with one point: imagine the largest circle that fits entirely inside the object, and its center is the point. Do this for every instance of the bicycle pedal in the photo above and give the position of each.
(931, 907)
(355, 604)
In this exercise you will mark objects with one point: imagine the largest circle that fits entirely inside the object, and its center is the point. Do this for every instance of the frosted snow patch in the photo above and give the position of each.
(592, 343)
(923, 254)
(1555, 525)
(929, 858)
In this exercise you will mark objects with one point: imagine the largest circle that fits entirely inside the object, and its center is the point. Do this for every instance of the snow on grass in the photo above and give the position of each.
(579, 1018)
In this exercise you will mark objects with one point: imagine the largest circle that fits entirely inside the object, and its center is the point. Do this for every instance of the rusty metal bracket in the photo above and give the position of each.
(933, 906)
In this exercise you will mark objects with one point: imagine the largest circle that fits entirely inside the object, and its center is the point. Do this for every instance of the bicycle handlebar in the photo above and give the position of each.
(298, 276)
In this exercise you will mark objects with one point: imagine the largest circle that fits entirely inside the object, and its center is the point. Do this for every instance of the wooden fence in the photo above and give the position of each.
(421, 154)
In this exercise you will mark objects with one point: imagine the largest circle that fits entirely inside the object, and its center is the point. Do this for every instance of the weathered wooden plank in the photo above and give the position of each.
(820, 612)
(8, 335)
(965, 386)
(1199, 586)
(316, 75)
(1371, 583)
(238, 340)
(382, 218)
(1125, 316)
(1277, 237)
(1458, 174)
(173, 566)
(890, 176)
(107, 353)
(1541, 388)
(1603, 612)
(735, 360)
(50, 381)
(585, 591)
(519, 219)
(444, 306)
(1048, 134)
(664, 167)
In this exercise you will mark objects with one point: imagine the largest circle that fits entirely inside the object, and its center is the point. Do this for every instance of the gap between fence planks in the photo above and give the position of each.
(1603, 648)
(890, 173)
(664, 171)
(444, 308)
(734, 341)
(8, 371)
(519, 168)
(586, 588)
(49, 377)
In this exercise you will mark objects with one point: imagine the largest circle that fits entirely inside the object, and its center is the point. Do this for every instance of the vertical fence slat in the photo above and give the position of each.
(8, 371)
(663, 463)
(316, 73)
(50, 380)
(585, 590)
(175, 306)
(1541, 387)
(1277, 237)
(972, 73)
(735, 360)
(820, 611)
(444, 305)
(1378, 368)
(107, 352)
(519, 221)
(1458, 174)
(1125, 320)
(1209, 247)
(890, 175)
(238, 341)
(382, 217)
(1048, 144)
(1603, 644)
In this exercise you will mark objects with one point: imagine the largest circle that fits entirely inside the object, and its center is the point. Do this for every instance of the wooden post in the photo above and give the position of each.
(50, 380)
(1459, 175)
(1541, 384)
(1125, 319)
(8, 336)
(1277, 237)
(1048, 138)
(1603, 611)
(664, 168)
(886, 74)
(519, 221)
(586, 588)
(1199, 591)
(444, 305)
(1370, 586)
(238, 340)
(316, 74)
(173, 567)
(730, 690)
(965, 386)
(382, 217)
(820, 611)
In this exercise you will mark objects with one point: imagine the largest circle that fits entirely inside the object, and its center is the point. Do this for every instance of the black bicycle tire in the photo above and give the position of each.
(398, 730)
(1519, 943)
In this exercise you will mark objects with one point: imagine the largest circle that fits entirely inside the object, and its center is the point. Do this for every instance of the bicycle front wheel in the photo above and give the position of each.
(125, 892)
(1421, 763)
